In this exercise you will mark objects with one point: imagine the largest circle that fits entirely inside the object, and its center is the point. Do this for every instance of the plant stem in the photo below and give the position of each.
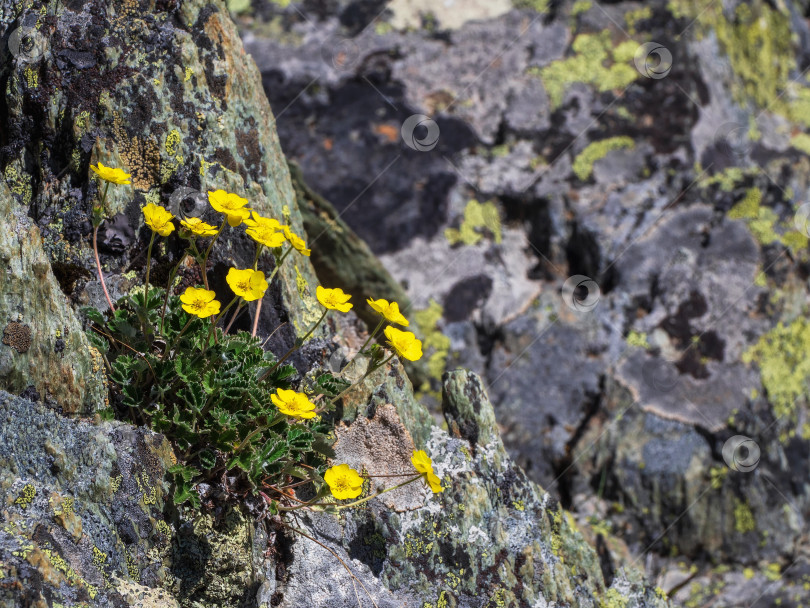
(371, 335)
(297, 345)
(100, 274)
(256, 318)
(97, 219)
(168, 290)
(368, 372)
(215, 321)
(273, 274)
(204, 264)
(258, 430)
(367, 498)
(233, 318)
(176, 339)
(148, 268)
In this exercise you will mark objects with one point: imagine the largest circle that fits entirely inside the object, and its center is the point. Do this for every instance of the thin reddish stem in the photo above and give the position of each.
(98, 266)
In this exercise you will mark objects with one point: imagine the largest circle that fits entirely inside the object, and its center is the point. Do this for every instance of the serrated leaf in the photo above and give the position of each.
(208, 460)
(98, 341)
(93, 315)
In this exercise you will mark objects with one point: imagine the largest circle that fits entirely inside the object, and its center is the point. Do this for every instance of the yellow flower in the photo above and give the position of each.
(248, 284)
(293, 404)
(263, 222)
(404, 343)
(423, 464)
(158, 219)
(333, 299)
(344, 481)
(269, 237)
(196, 226)
(200, 302)
(389, 311)
(110, 174)
(231, 205)
(296, 241)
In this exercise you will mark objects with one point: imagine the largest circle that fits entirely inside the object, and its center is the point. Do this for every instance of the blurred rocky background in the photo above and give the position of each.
(601, 208)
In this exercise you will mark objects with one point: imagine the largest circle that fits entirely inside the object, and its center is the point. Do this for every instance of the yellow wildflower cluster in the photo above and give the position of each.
(250, 285)
(345, 482)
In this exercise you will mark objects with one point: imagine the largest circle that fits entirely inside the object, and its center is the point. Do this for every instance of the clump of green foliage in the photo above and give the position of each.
(209, 393)
(223, 401)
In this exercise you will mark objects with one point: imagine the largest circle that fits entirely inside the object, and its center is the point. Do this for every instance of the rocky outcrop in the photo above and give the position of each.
(675, 189)
(166, 91)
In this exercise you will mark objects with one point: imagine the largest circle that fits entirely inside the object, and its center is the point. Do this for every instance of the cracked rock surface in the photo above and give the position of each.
(166, 90)
(674, 191)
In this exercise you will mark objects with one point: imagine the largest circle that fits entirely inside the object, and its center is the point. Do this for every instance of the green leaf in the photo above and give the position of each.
(98, 341)
(209, 382)
(298, 438)
(208, 460)
(93, 315)
(185, 493)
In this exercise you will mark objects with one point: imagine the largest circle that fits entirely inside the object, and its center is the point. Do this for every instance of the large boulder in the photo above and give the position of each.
(166, 91)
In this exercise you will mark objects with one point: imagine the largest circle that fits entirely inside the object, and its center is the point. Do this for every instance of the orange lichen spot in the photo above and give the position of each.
(389, 132)
(17, 336)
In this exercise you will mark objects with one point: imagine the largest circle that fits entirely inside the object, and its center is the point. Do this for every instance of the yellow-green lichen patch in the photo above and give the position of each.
(763, 222)
(758, 43)
(614, 599)
(801, 142)
(743, 518)
(479, 220)
(637, 338)
(148, 491)
(581, 6)
(748, 207)
(717, 476)
(596, 61)
(632, 18)
(432, 338)
(541, 6)
(19, 184)
(26, 497)
(784, 366)
(583, 163)
(65, 515)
